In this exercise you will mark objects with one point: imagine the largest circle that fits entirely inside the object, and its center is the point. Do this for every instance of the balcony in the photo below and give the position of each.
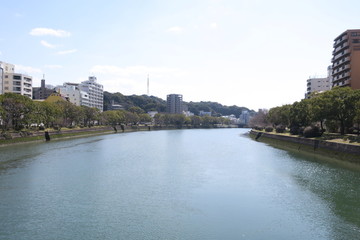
(343, 38)
(341, 47)
(339, 55)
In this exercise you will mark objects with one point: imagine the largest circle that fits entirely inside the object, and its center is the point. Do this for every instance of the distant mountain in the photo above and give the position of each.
(152, 103)
(147, 103)
(217, 109)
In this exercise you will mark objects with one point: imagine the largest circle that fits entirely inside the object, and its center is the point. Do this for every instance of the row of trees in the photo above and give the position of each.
(18, 112)
(334, 110)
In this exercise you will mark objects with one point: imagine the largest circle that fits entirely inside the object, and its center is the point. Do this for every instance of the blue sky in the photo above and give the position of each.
(252, 53)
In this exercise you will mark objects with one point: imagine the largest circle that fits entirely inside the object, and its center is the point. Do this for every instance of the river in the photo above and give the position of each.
(176, 184)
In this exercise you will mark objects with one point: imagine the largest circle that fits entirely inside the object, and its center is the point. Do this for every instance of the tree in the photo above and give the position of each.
(15, 110)
(280, 115)
(342, 106)
(90, 115)
(113, 117)
(260, 119)
(145, 118)
(300, 114)
(320, 109)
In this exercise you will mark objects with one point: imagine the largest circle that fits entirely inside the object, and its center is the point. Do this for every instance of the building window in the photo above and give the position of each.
(6, 76)
(17, 77)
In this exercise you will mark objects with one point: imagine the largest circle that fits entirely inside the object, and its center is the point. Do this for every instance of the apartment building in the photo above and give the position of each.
(346, 60)
(316, 84)
(14, 82)
(174, 103)
(72, 93)
(95, 92)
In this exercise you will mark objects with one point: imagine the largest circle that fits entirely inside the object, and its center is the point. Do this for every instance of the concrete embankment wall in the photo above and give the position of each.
(339, 151)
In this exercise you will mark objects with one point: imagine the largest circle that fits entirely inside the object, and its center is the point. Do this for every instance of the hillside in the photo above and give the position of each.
(152, 103)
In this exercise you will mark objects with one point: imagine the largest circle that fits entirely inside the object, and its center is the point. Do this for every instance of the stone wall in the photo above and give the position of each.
(341, 151)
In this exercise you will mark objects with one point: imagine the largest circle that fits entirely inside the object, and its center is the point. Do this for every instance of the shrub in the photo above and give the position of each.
(280, 129)
(294, 130)
(269, 129)
(258, 128)
(312, 131)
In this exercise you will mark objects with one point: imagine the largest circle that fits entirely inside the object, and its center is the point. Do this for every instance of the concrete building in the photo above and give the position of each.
(346, 59)
(72, 92)
(42, 92)
(319, 85)
(174, 103)
(14, 82)
(95, 91)
(244, 117)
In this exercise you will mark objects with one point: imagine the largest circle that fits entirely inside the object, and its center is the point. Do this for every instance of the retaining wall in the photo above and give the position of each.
(340, 151)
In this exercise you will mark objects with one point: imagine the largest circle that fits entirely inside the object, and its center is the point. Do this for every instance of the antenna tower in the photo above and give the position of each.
(148, 85)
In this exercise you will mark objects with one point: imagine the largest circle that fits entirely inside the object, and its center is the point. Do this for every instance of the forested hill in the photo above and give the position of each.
(151, 103)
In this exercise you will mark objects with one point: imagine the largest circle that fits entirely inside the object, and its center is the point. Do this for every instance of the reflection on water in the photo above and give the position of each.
(180, 184)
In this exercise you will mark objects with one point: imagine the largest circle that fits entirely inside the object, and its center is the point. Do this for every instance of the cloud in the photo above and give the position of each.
(46, 44)
(27, 70)
(49, 32)
(67, 52)
(175, 30)
(0, 53)
(214, 25)
(53, 66)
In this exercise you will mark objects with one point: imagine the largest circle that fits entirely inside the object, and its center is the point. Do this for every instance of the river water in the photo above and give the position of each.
(177, 184)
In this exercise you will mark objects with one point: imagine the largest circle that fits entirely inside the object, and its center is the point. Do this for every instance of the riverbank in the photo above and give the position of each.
(40, 136)
(325, 148)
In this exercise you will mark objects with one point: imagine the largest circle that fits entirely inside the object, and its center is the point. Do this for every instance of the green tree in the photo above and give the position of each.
(342, 106)
(145, 118)
(15, 110)
(280, 115)
(113, 117)
(300, 114)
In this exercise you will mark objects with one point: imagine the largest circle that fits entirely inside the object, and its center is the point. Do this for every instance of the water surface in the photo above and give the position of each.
(179, 184)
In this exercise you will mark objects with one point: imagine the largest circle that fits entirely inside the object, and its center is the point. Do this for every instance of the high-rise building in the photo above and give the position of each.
(95, 92)
(174, 103)
(346, 60)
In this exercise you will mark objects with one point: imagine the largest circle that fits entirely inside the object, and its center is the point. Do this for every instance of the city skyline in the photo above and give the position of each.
(254, 54)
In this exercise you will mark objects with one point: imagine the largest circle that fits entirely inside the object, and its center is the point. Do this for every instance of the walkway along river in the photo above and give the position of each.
(177, 184)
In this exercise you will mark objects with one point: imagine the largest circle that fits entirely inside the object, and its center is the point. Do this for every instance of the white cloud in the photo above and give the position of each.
(53, 66)
(27, 70)
(50, 32)
(175, 30)
(214, 25)
(67, 52)
(46, 44)
(0, 53)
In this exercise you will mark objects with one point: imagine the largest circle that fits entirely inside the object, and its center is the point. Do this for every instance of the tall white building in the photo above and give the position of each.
(95, 92)
(87, 93)
(14, 82)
